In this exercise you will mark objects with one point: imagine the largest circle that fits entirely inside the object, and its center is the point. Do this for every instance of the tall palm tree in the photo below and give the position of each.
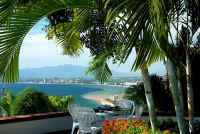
(147, 53)
(156, 14)
(191, 21)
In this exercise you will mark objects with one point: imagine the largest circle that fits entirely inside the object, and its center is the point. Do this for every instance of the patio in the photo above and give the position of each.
(50, 123)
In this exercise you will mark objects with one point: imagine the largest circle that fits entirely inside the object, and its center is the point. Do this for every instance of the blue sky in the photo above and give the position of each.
(38, 51)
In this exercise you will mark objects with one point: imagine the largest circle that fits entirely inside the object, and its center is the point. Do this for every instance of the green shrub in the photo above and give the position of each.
(6, 102)
(136, 93)
(161, 94)
(60, 103)
(30, 101)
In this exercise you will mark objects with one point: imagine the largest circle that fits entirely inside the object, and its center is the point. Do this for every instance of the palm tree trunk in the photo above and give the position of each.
(149, 98)
(177, 102)
(190, 94)
(3, 92)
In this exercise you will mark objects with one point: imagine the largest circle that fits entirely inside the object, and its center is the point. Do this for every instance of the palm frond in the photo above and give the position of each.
(68, 35)
(133, 22)
(20, 23)
(99, 68)
(147, 52)
(7, 7)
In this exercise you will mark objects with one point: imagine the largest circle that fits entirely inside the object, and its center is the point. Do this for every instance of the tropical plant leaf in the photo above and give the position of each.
(20, 23)
(147, 51)
(99, 68)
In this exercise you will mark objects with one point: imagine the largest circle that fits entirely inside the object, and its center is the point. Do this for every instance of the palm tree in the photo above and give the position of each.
(146, 54)
(191, 21)
(140, 14)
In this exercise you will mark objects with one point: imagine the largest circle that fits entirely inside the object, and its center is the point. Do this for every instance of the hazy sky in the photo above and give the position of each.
(38, 51)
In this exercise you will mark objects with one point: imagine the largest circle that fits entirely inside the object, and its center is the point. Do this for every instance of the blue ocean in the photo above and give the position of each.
(76, 90)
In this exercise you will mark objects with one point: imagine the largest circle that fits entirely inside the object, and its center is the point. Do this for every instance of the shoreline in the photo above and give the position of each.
(102, 99)
(73, 84)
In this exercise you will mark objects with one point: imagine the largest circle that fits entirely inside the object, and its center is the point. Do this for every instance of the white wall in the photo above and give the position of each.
(37, 126)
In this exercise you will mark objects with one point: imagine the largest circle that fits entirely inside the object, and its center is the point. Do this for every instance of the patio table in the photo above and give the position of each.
(106, 112)
(113, 112)
(106, 108)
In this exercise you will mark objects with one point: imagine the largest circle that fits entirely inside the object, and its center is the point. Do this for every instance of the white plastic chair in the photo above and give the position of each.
(139, 110)
(72, 108)
(127, 108)
(87, 121)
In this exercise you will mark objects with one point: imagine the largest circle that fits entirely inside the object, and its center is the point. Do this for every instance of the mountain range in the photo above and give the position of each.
(62, 71)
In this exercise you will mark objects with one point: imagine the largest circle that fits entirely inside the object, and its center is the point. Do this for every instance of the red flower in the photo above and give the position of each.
(123, 128)
(116, 128)
(141, 127)
(127, 126)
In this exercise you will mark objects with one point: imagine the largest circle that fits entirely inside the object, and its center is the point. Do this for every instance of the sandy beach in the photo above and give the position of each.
(103, 99)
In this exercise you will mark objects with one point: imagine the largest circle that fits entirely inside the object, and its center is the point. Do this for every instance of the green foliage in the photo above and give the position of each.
(59, 103)
(10, 97)
(6, 102)
(161, 95)
(3, 113)
(30, 101)
(16, 20)
(136, 93)
(99, 68)
(88, 29)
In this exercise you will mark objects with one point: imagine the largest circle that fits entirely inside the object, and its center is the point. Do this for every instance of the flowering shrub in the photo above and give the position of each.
(129, 126)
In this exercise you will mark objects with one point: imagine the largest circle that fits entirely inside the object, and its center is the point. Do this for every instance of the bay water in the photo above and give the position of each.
(75, 90)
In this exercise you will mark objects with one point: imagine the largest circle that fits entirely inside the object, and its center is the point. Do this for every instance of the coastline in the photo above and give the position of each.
(102, 99)
(124, 86)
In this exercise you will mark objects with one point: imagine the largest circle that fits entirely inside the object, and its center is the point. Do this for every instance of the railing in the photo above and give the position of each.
(36, 123)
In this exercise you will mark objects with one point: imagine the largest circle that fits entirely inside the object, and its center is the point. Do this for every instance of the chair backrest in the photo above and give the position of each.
(139, 110)
(72, 108)
(86, 118)
(127, 105)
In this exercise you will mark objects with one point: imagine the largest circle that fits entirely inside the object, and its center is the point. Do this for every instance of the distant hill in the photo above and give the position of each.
(62, 71)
